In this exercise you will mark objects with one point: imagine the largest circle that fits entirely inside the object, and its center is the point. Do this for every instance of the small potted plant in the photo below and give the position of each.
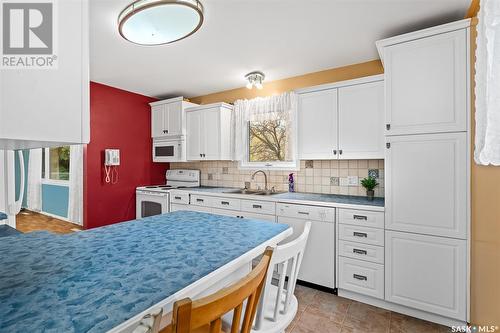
(369, 183)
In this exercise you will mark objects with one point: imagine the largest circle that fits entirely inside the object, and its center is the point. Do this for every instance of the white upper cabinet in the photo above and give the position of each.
(208, 132)
(426, 273)
(343, 120)
(426, 184)
(317, 124)
(426, 82)
(361, 121)
(50, 106)
(168, 117)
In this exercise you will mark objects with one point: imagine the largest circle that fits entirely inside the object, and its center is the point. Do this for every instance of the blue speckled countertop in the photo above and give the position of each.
(93, 280)
(296, 196)
(3, 216)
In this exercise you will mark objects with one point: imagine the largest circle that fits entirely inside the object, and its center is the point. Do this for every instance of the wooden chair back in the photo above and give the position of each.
(288, 258)
(190, 315)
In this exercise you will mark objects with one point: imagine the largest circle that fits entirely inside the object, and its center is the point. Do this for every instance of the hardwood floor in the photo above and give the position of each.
(323, 312)
(28, 221)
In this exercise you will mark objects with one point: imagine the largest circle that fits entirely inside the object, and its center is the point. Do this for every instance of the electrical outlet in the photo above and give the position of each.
(352, 180)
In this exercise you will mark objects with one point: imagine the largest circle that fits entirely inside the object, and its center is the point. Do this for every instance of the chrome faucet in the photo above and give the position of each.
(265, 177)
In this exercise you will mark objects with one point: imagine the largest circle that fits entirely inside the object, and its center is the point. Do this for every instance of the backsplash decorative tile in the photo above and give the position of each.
(374, 173)
(325, 176)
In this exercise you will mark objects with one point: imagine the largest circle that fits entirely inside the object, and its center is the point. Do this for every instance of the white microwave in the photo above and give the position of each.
(170, 150)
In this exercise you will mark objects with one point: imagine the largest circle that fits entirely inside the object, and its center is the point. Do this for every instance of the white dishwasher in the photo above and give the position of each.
(318, 264)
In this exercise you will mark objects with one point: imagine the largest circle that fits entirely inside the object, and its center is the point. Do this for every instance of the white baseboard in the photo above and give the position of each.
(401, 309)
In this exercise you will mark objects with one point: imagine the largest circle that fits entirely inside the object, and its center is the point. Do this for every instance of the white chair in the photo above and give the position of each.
(278, 304)
(150, 323)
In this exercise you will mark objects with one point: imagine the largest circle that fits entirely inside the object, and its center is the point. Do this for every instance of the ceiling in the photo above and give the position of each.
(282, 38)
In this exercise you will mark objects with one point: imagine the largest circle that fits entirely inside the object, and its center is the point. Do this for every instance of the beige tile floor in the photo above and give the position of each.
(320, 312)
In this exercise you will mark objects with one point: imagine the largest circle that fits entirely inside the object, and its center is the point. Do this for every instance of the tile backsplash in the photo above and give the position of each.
(327, 176)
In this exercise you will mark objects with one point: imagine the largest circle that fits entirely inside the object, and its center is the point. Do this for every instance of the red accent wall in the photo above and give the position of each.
(121, 120)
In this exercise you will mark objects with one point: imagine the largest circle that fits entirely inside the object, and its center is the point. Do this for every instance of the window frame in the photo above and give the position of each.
(47, 180)
(293, 165)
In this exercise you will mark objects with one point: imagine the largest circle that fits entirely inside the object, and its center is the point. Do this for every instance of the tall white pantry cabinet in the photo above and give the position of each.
(427, 228)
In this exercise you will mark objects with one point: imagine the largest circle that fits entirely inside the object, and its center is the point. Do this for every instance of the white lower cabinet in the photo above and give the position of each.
(177, 207)
(426, 273)
(361, 252)
(244, 215)
(362, 277)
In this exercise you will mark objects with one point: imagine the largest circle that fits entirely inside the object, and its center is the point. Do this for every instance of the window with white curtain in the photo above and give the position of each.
(264, 131)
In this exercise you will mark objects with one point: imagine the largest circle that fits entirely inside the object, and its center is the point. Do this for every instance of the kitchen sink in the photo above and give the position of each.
(244, 191)
(254, 192)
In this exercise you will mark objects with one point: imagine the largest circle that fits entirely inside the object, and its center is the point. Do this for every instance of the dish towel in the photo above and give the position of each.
(3, 216)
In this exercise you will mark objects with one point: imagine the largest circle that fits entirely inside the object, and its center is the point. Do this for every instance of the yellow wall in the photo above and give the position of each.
(485, 269)
(485, 188)
(276, 87)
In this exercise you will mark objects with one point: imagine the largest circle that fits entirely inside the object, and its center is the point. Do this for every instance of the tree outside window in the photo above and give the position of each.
(55, 163)
(269, 140)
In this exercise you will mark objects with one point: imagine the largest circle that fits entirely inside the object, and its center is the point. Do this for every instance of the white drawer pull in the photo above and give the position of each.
(360, 234)
(358, 251)
(257, 206)
(360, 217)
(360, 277)
(224, 202)
(304, 213)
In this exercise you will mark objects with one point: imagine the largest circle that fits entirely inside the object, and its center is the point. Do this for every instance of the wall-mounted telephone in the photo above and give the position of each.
(112, 157)
(111, 163)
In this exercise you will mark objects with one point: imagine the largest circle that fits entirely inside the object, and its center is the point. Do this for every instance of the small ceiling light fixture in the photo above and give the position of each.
(255, 79)
(158, 22)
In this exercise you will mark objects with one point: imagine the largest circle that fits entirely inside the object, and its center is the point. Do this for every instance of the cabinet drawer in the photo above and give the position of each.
(201, 200)
(226, 203)
(306, 212)
(360, 251)
(179, 198)
(362, 277)
(361, 234)
(260, 207)
(362, 218)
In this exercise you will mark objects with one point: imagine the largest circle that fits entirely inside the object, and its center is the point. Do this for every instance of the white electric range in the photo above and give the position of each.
(155, 200)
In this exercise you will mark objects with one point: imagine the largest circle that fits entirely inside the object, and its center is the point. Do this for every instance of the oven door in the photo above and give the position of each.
(168, 151)
(151, 204)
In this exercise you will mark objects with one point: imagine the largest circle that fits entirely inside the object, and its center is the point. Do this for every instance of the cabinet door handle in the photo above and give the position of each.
(388, 145)
(340, 151)
(360, 217)
(360, 277)
(388, 127)
(304, 213)
(334, 152)
(177, 198)
(360, 234)
(358, 251)
(257, 206)
(224, 202)
(199, 200)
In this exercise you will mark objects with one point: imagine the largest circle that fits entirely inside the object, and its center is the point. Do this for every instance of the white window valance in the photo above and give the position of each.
(262, 109)
(487, 141)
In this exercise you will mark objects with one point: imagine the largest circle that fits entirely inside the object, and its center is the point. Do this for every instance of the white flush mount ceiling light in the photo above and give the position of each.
(158, 22)
(255, 79)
